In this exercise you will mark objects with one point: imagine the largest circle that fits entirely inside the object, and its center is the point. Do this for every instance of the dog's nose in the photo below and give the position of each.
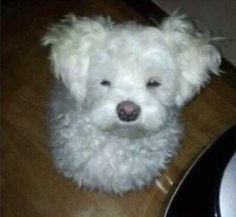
(128, 111)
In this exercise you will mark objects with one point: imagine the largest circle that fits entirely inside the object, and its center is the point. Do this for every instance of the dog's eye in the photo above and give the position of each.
(152, 83)
(105, 83)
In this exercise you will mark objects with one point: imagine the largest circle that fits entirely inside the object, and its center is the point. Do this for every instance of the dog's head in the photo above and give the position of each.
(131, 75)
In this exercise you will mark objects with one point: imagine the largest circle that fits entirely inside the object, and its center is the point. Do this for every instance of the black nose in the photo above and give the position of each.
(128, 111)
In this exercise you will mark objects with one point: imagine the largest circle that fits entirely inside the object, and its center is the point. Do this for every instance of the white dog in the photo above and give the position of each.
(115, 111)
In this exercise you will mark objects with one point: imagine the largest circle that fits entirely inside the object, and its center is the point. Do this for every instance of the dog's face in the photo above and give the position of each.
(130, 76)
(131, 82)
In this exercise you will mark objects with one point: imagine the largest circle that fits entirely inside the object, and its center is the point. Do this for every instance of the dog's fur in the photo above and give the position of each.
(90, 143)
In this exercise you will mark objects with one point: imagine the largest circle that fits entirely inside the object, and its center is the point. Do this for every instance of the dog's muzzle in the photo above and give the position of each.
(128, 111)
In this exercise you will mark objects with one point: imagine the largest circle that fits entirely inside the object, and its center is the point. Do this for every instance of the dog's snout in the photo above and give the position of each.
(128, 111)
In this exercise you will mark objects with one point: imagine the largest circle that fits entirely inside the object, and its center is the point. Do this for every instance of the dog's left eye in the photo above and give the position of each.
(105, 83)
(152, 83)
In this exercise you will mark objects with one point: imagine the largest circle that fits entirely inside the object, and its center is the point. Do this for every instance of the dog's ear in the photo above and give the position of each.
(72, 41)
(196, 57)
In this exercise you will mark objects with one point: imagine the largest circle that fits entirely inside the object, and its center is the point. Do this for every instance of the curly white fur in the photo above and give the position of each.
(91, 144)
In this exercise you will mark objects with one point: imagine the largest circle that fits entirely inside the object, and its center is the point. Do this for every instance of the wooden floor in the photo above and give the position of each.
(30, 185)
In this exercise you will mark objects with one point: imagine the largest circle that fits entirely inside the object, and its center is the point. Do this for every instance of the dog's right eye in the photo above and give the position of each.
(152, 83)
(105, 83)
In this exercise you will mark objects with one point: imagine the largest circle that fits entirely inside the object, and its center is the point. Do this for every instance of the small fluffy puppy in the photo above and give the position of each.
(115, 107)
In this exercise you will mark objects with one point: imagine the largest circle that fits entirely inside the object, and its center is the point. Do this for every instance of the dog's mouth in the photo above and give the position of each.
(128, 130)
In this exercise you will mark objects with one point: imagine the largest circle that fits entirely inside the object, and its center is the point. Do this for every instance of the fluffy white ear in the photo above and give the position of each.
(72, 41)
(195, 56)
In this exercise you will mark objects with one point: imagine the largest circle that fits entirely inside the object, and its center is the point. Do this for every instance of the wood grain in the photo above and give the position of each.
(30, 185)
